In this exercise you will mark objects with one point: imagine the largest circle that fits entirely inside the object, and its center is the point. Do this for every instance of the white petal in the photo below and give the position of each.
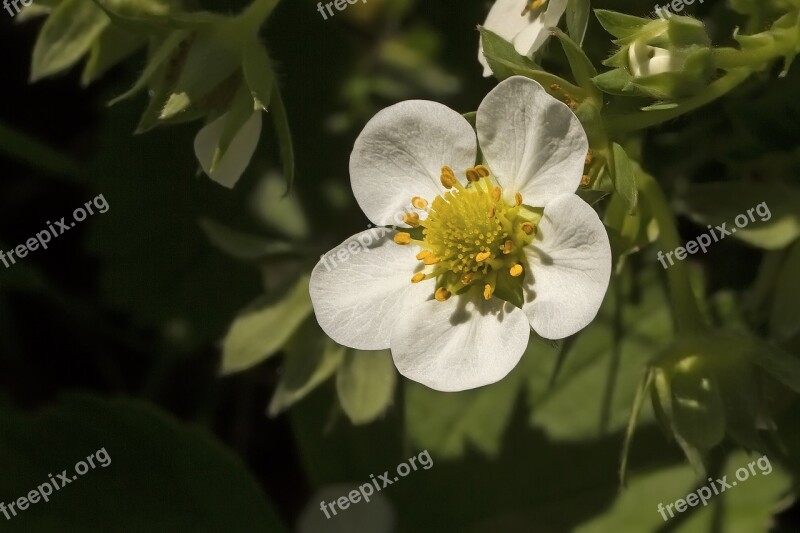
(233, 164)
(506, 20)
(459, 344)
(401, 152)
(529, 40)
(533, 143)
(359, 288)
(570, 267)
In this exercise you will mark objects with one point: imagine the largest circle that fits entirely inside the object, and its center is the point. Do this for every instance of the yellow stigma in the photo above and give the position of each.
(441, 294)
(472, 235)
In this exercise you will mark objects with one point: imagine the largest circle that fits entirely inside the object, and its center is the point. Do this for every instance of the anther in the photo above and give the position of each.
(518, 199)
(496, 194)
(472, 175)
(423, 254)
(483, 256)
(419, 203)
(430, 260)
(416, 278)
(488, 291)
(589, 157)
(402, 238)
(508, 247)
(467, 278)
(492, 211)
(585, 180)
(448, 178)
(412, 219)
(482, 171)
(516, 270)
(528, 228)
(441, 294)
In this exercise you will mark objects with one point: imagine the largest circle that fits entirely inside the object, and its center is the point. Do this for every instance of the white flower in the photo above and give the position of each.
(236, 159)
(524, 23)
(646, 60)
(431, 298)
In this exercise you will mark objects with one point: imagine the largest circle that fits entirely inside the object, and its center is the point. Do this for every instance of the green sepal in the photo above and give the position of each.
(620, 25)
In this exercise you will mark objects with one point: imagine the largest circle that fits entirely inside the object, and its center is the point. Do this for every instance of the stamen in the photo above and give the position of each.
(430, 260)
(416, 278)
(518, 199)
(419, 203)
(483, 256)
(496, 194)
(491, 212)
(402, 238)
(412, 219)
(448, 178)
(467, 278)
(488, 291)
(442, 294)
(482, 171)
(528, 228)
(508, 247)
(423, 254)
(472, 175)
(516, 270)
(585, 180)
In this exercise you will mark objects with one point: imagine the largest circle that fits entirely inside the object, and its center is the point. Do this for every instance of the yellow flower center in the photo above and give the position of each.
(532, 5)
(472, 237)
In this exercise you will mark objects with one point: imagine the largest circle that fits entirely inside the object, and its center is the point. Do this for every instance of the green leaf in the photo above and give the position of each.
(154, 64)
(578, 19)
(581, 65)
(258, 73)
(624, 180)
(282, 212)
(448, 424)
(502, 57)
(365, 383)
(113, 46)
(66, 36)
(772, 210)
(592, 196)
(617, 81)
(264, 327)
(311, 358)
(281, 122)
(597, 383)
(147, 455)
(781, 365)
(746, 507)
(784, 318)
(244, 246)
(240, 111)
(620, 25)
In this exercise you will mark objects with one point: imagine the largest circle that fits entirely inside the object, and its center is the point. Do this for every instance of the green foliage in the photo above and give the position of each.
(152, 480)
(366, 384)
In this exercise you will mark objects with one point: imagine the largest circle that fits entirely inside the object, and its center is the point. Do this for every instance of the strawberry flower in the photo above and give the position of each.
(460, 239)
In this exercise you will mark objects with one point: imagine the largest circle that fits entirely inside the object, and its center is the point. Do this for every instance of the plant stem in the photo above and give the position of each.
(686, 313)
(618, 125)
